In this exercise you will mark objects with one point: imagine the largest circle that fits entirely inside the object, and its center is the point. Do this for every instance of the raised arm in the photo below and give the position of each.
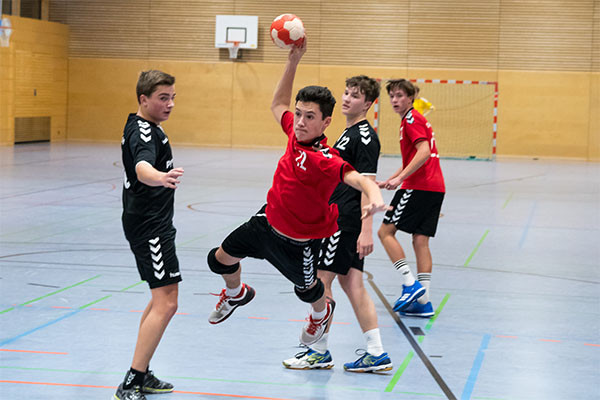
(283, 92)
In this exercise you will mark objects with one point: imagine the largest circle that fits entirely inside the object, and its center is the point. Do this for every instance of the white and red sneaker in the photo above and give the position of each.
(227, 305)
(314, 330)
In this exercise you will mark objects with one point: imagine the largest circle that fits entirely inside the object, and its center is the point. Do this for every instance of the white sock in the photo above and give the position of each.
(233, 292)
(317, 315)
(404, 269)
(425, 280)
(321, 345)
(374, 345)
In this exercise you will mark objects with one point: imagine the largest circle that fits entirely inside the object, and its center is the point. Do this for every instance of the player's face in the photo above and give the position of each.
(157, 108)
(353, 102)
(309, 122)
(400, 101)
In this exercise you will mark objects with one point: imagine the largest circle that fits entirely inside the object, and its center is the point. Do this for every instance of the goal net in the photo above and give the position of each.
(463, 118)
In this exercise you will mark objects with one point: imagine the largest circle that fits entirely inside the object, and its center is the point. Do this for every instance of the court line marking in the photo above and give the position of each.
(34, 351)
(476, 248)
(303, 385)
(50, 294)
(410, 355)
(237, 396)
(411, 340)
(10, 340)
(477, 363)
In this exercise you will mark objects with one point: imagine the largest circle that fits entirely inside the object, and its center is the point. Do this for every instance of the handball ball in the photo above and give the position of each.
(287, 30)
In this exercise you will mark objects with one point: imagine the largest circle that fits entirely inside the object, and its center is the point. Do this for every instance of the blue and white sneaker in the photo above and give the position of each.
(369, 363)
(409, 294)
(309, 359)
(417, 309)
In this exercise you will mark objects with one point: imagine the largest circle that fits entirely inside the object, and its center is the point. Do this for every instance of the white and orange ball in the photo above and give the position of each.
(287, 30)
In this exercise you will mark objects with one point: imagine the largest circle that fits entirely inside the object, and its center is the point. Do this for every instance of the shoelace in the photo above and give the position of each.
(222, 298)
(312, 325)
(302, 353)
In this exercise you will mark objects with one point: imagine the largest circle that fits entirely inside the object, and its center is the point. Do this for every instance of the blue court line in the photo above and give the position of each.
(12, 339)
(468, 390)
(527, 225)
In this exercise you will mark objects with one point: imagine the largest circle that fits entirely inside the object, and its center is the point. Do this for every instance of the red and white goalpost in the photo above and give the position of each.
(464, 119)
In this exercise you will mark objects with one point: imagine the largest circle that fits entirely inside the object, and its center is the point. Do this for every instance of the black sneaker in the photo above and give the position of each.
(135, 393)
(153, 385)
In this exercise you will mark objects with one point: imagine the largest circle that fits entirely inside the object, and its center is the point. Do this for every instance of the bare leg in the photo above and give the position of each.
(155, 319)
(422, 252)
(387, 235)
(363, 306)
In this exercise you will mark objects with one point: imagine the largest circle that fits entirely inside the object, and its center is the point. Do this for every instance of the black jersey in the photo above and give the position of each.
(147, 210)
(358, 145)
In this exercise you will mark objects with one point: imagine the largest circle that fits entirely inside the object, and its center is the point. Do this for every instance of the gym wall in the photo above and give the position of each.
(544, 55)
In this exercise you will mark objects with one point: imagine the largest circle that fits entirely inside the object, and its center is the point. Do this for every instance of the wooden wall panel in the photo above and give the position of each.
(546, 35)
(453, 34)
(457, 34)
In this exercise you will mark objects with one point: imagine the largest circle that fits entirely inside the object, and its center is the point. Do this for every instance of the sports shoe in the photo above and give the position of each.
(369, 363)
(417, 309)
(409, 294)
(154, 385)
(135, 393)
(227, 305)
(314, 330)
(310, 359)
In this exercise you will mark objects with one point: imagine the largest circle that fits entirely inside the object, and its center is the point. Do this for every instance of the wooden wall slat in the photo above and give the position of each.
(456, 34)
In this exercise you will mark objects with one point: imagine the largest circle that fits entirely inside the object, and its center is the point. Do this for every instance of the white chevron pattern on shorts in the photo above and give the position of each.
(401, 205)
(331, 247)
(156, 255)
(308, 261)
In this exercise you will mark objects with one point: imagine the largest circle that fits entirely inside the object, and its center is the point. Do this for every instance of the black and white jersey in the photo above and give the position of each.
(147, 210)
(358, 145)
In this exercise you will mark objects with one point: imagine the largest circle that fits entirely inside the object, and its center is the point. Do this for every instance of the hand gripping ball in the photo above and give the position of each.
(287, 30)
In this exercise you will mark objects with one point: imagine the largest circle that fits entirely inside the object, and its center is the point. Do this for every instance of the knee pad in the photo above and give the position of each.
(218, 268)
(311, 295)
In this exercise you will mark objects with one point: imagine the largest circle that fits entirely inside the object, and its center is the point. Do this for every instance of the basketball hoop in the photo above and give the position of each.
(233, 51)
(5, 32)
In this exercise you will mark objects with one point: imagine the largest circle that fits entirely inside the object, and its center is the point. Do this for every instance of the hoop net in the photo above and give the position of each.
(233, 51)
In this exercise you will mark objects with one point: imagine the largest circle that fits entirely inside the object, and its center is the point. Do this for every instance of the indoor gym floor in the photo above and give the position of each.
(516, 286)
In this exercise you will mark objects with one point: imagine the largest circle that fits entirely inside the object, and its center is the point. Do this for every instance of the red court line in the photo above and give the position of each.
(100, 309)
(33, 351)
(237, 396)
(136, 311)
(592, 344)
(68, 308)
(505, 336)
(258, 318)
(182, 313)
(549, 340)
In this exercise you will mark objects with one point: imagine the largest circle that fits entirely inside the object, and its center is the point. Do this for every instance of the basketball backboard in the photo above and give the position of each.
(240, 29)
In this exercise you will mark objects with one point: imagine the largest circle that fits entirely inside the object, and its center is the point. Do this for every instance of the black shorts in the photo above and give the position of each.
(415, 211)
(338, 253)
(257, 239)
(156, 260)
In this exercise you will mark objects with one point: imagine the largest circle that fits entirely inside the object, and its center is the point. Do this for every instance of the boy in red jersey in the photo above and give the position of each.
(417, 205)
(288, 230)
(342, 255)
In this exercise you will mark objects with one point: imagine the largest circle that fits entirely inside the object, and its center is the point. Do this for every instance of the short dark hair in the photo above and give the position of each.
(369, 86)
(150, 80)
(320, 95)
(403, 84)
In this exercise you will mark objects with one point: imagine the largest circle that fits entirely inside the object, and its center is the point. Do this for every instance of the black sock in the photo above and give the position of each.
(133, 377)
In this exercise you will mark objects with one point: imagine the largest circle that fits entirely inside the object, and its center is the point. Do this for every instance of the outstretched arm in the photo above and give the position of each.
(150, 176)
(368, 187)
(422, 155)
(283, 92)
